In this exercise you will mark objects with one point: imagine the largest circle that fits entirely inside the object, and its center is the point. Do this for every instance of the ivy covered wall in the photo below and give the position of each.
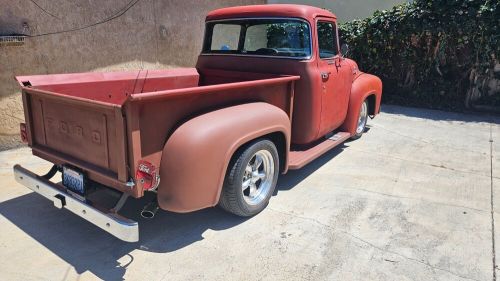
(432, 53)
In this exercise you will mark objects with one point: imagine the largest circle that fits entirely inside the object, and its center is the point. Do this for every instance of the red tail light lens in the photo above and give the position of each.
(24, 133)
(147, 176)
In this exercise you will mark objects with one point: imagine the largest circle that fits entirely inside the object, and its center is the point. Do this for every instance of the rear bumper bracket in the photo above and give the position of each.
(111, 222)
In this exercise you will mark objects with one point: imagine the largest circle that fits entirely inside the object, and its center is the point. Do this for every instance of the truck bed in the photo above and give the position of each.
(104, 123)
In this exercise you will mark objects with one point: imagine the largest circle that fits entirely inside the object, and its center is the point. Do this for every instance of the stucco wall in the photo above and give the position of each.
(152, 34)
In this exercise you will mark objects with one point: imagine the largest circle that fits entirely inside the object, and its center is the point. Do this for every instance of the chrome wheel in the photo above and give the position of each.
(258, 177)
(363, 116)
(250, 179)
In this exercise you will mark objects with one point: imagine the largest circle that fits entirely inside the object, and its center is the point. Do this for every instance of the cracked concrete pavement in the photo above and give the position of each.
(416, 198)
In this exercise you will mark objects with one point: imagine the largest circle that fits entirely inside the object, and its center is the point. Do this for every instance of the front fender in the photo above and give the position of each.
(364, 86)
(196, 156)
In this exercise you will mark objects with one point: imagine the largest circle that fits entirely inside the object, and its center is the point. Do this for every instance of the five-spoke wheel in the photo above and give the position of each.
(250, 179)
(258, 177)
(362, 119)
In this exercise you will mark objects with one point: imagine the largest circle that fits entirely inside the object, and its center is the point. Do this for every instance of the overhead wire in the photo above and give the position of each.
(45, 11)
(118, 14)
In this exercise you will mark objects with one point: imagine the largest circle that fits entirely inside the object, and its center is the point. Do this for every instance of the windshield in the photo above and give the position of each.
(265, 37)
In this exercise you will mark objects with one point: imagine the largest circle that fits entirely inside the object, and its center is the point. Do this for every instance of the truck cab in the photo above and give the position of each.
(293, 40)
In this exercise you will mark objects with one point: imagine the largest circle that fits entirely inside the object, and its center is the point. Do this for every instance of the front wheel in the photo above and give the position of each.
(362, 119)
(250, 179)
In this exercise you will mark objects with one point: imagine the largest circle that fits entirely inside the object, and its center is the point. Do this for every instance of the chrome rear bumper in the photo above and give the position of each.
(122, 228)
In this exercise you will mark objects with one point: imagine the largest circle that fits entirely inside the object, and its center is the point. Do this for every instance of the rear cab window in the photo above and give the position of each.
(259, 37)
(225, 37)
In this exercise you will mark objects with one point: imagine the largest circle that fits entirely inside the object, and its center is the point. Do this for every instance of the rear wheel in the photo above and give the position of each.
(250, 179)
(362, 119)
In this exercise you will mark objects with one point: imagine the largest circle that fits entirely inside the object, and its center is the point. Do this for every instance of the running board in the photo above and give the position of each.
(300, 158)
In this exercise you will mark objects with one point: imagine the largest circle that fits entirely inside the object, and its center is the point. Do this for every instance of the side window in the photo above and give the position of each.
(327, 40)
(225, 37)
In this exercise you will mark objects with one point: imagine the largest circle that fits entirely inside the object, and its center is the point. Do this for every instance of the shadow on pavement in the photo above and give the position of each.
(88, 248)
(294, 177)
(440, 115)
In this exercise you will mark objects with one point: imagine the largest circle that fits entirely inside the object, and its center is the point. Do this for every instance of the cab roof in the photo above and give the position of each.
(308, 13)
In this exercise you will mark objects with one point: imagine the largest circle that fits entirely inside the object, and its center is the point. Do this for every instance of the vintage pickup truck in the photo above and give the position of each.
(271, 92)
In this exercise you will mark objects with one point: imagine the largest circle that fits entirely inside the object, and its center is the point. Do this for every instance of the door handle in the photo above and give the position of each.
(325, 75)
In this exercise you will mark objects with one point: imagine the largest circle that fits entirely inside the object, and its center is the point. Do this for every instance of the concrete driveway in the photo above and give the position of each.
(415, 198)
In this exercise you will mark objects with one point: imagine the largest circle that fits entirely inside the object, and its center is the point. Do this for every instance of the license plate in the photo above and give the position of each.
(73, 180)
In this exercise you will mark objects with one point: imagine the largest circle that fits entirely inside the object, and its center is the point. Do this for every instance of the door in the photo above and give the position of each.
(335, 75)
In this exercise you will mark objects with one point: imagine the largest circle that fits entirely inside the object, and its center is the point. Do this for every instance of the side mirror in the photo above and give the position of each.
(344, 50)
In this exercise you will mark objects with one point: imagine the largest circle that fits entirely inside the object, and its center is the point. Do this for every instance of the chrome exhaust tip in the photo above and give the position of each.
(149, 211)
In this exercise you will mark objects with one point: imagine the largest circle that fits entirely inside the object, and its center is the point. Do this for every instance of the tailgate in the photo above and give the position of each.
(85, 133)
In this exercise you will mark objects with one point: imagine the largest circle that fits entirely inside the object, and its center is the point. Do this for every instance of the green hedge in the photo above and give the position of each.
(436, 54)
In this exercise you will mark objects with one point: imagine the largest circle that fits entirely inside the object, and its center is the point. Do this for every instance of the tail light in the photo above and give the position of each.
(146, 175)
(24, 133)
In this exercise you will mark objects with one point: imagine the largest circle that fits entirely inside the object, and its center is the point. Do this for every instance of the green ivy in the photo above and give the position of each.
(431, 53)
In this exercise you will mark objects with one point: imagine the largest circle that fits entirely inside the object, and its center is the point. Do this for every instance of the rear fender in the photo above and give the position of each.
(364, 86)
(196, 156)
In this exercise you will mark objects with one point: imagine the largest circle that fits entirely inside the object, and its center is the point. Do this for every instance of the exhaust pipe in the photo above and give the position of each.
(149, 211)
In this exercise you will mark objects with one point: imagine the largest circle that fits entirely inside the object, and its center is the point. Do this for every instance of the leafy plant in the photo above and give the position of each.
(432, 53)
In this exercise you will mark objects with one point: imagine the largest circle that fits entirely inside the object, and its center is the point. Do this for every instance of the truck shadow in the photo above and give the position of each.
(294, 177)
(87, 248)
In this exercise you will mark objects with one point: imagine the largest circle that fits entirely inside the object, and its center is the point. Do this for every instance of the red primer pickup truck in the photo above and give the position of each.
(271, 92)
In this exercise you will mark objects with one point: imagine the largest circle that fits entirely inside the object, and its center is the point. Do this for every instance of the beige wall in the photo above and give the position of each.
(152, 34)
(347, 10)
